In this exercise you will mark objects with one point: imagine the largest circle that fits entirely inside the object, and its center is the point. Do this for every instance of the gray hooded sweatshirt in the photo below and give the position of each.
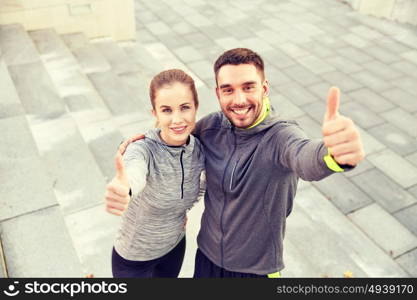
(252, 177)
(165, 183)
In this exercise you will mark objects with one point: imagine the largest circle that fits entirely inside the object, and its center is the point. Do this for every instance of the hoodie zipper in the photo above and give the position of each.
(182, 180)
(224, 204)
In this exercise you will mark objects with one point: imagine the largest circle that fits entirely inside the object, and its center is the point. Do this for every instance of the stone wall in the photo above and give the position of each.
(95, 18)
(404, 11)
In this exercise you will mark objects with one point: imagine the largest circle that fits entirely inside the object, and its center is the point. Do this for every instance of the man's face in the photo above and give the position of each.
(240, 90)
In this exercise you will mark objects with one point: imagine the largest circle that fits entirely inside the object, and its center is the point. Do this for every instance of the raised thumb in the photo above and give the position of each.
(333, 102)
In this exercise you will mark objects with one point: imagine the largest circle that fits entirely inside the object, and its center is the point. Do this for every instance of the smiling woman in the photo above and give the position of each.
(157, 181)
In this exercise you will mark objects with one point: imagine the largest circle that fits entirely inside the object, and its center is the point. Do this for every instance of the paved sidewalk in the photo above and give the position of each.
(92, 95)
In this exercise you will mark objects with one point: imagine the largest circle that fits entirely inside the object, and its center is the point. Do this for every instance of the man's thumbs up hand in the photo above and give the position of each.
(340, 134)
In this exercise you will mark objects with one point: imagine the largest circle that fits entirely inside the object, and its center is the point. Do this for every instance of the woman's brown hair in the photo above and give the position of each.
(170, 77)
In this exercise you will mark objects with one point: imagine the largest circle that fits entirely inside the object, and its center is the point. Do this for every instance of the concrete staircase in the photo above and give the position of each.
(65, 105)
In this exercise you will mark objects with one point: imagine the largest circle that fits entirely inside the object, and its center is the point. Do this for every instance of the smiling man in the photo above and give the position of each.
(253, 162)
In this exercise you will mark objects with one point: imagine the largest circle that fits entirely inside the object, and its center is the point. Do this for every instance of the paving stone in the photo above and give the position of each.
(75, 40)
(382, 70)
(315, 222)
(138, 85)
(91, 60)
(149, 65)
(188, 54)
(392, 45)
(370, 144)
(355, 40)
(208, 102)
(203, 69)
(198, 40)
(158, 28)
(383, 190)
(317, 49)
(93, 232)
(394, 138)
(256, 44)
(35, 245)
(341, 80)
(366, 32)
(384, 230)
(409, 262)
(321, 90)
(411, 56)
(41, 98)
(403, 120)
(372, 100)
(346, 197)
(78, 182)
(283, 107)
(238, 31)
(16, 46)
(214, 32)
(302, 75)
(408, 84)
(297, 94)
(293, 51)
(276, 77)
(228, 43)
(183, 27)
(401, 98)
(20, 163)
(278, 59)
(355, 55)
(344, 64)
(372, 81)
(116, 95)
(172, 41)
(310, 126)
(10, 103)
(412, 158)
(363, 166)
(408, 217)
(117, 57)
(395, 167)
(316, 65)
(382, 55)
(103, 139)
(360, 114)
(145, 36)
(406, 67)
(61, 65)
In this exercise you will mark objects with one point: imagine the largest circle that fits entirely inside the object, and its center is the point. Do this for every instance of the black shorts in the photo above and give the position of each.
(168, 265)
(205, 268)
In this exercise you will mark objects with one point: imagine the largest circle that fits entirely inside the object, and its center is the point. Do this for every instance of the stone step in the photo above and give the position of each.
(384, 230)
(103, 138)
(117, 57)
(93, 231)
(25, 184)
(10, 104)
(3, 267)
(88, 56)
(17, 47)
(78, 181)
(119, 99)
(60, 63)
(335, 245)
(38, 245)
(36, 90)
(149, 65)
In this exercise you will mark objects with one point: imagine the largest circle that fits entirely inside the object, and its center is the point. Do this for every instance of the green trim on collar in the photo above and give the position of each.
(331, 163)
(266, 108)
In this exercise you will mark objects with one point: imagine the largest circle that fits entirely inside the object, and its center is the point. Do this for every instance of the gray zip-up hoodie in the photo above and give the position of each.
(252, 177)
(165, 182)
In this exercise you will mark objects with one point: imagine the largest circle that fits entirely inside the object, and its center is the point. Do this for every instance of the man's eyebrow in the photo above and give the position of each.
(186, 103)
(226, 85)
(165, 106)
(249, 82)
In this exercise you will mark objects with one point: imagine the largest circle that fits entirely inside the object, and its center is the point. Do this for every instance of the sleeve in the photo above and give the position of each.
(300, 154)
(136, 166)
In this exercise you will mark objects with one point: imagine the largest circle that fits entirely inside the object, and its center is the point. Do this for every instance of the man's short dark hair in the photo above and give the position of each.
(239, 56)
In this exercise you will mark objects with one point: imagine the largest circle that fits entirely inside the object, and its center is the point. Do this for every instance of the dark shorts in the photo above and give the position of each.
(168, 265)
(205, 268)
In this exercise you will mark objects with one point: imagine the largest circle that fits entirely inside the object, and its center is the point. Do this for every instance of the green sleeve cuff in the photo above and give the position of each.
(331, 163)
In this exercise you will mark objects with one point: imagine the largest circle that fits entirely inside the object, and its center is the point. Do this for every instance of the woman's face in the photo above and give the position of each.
(175, 112)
